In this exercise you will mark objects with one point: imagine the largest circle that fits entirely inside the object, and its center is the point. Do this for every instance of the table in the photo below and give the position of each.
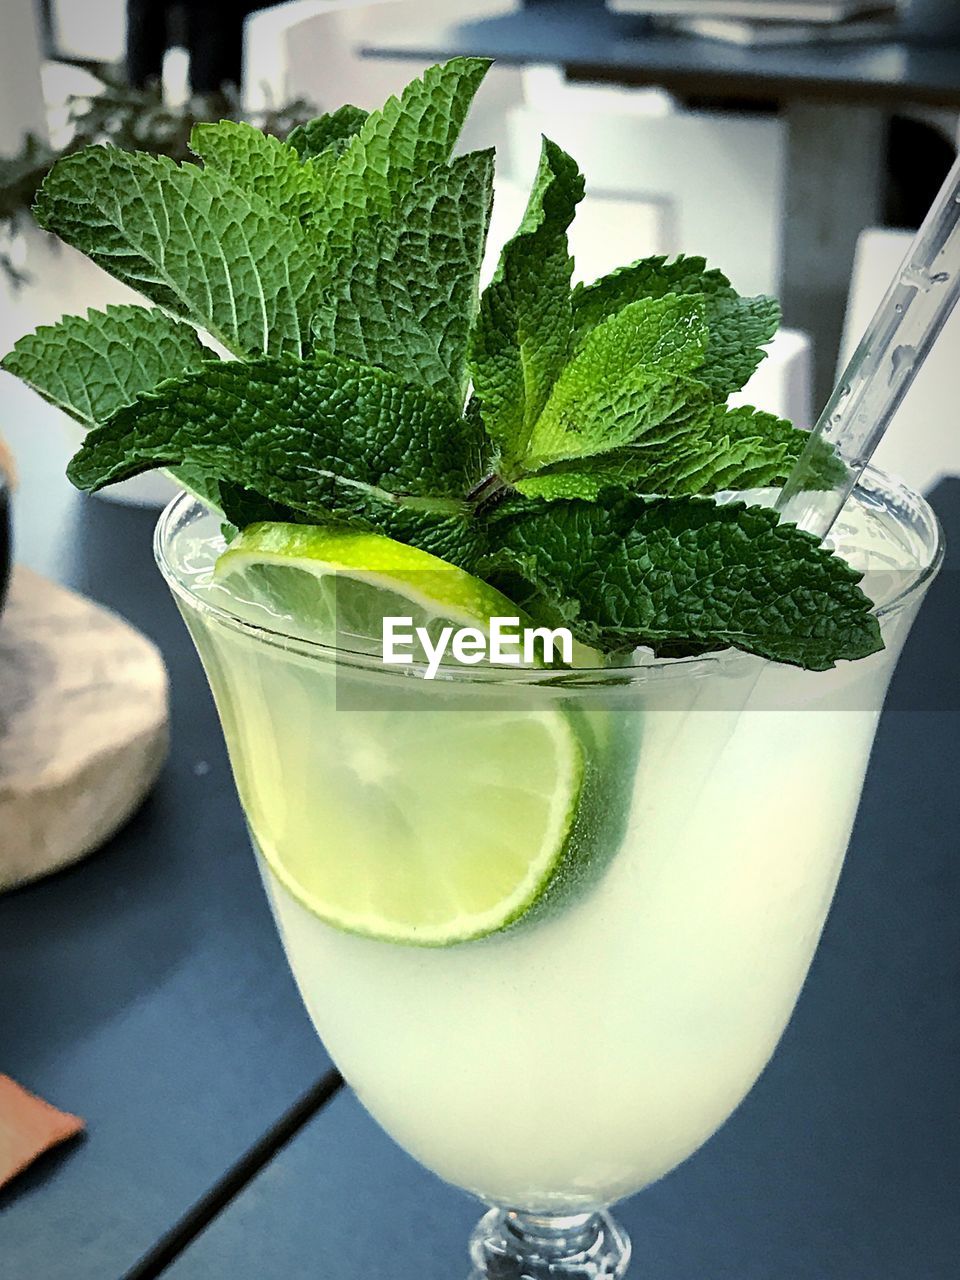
(145, 990)
(835, 100)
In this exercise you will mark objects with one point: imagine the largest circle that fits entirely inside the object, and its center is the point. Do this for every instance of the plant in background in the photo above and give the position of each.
(568, 445)
(132, 119)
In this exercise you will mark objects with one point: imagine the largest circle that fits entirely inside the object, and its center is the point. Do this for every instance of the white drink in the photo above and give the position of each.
(577, 1056)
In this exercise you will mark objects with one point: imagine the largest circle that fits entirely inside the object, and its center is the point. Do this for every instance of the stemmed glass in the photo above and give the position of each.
(573, 1058)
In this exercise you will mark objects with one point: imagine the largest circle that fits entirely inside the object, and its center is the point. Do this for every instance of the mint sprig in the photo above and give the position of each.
(340, 271)
(405, 293)
(306, 433)
(632, 571)
(90, 366)
(524, 333)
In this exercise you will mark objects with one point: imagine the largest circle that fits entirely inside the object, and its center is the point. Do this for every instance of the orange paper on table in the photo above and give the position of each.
(28, 1127)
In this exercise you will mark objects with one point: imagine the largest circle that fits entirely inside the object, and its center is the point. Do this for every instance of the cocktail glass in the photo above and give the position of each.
(573, 1058)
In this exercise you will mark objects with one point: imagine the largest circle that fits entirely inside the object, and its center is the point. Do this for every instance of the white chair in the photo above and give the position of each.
(922, 444)
(95, 30)
(21, 95)
(713, 181)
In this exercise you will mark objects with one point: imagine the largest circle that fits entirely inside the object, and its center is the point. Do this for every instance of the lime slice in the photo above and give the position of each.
(336, 586)
(420, 826)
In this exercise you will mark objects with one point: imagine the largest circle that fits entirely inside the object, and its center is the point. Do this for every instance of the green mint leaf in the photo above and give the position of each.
(91, 365)
(683, 469)
(685, 575)
(739, 327)
(647, 278)
(626, 382)
(220, 257)
(405, 296)
(522, 338)
(328, 133)
(202, 484)
(307, 434)
(395, 147)
(259, 164)
(725, 449)
(762, 450)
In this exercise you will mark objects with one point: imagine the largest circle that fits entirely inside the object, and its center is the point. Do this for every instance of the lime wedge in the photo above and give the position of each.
(419, 826)
(335, 586)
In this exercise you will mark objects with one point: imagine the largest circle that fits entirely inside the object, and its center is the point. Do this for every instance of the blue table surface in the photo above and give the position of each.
(842, 1164)
(145, 990)
(595, 42)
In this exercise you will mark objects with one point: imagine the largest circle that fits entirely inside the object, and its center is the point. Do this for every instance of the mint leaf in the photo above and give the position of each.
(523, 335)
(405, 296)
(624, 383)
(739, 327)
(762, 451)
(259, 164)
(393, 148)
(683, 575)
(215, 255)
(328, 133)
(646, 278)
(736, 449)
(682, 469)
(308, 434)
(90, 366)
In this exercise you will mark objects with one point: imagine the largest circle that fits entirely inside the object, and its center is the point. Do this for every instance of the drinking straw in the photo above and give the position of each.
(897, 341)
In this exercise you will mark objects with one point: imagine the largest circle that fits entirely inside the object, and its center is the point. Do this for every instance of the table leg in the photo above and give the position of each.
(834, 188)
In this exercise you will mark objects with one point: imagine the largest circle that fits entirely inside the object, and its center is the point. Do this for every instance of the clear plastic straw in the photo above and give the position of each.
(895, 345)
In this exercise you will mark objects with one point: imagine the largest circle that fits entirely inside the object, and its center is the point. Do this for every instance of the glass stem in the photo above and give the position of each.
(512, 1245)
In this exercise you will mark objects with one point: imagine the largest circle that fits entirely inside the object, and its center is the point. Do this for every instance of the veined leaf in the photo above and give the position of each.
(739, 327)
(222, 258)
(307, 434)
(626, 381)
(393, 148)
(91, 365)
(522, 338)
(406, 295)
(259, 164)
(327, 133)
(684, 575)
(647, 278)
(726, 449)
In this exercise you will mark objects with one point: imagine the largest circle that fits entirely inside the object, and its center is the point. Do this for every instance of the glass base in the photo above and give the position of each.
(507, 1245)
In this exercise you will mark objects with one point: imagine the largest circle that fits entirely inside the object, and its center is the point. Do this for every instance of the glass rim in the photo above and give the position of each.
(726, 660)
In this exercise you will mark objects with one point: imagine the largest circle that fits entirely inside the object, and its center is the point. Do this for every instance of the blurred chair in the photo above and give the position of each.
(714, 179)
(90, 33)
(21, 95)
(922, 444)
(783, 384)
